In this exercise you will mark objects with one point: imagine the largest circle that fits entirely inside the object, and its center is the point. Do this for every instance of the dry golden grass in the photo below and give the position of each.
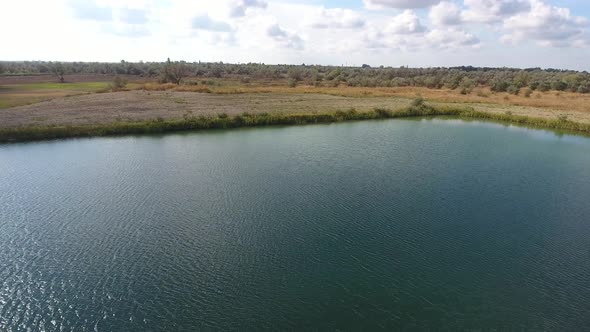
(561, 101)
(12, 95)
(147, 99)
(147, 105)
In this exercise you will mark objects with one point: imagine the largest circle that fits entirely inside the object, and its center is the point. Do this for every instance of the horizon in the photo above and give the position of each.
(301, 65)
(548, 34)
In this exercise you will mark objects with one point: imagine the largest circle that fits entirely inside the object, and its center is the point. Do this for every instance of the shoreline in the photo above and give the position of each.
(223, 121)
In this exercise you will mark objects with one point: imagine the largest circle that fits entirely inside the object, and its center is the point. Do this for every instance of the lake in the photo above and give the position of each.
(393, 224)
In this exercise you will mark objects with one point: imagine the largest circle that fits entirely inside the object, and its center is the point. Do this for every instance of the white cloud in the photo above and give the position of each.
(127, 30)
(285, 38)
(402, 32)
(133, 16)
(548, 25)
(90, 10)
(400, 4)
(405, 23)
(269, 31)
(451, 38)
(446, 13)
(238, 8)
(337, 18)
(204, 22)
(494, 11)
(406, 32)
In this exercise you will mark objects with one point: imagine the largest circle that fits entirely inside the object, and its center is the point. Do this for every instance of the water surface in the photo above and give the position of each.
(397, 224)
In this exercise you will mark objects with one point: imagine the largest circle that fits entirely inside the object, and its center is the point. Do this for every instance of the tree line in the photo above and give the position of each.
(466, 78)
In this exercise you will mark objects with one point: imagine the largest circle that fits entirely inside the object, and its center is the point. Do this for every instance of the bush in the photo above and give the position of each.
(498, 85)
(481, 93)
(118, 83)
(467, 86)
(292, 83)
(544, 87)
(528, 92)
(455, 82)
(513, 90)
(558, 85)
(295, 74)
(418, 102)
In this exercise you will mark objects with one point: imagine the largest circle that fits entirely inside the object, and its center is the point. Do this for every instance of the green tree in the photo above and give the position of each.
(174, 72)
(558, 85)
(59, 70)
(467, 86)
(499, 85)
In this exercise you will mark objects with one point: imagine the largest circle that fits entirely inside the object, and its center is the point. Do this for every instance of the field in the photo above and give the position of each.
(38, 101)
(12, 95)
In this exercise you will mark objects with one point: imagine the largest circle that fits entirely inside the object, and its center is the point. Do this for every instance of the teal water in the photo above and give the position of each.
(396, 224)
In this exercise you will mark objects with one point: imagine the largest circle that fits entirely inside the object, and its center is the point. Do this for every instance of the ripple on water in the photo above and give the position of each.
(370, 225)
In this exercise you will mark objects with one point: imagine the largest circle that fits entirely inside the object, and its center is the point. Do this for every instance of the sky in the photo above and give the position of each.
(415, 33)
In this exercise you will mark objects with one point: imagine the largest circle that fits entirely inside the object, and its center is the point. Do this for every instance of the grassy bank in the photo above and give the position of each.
(12, 95)
(223, 121)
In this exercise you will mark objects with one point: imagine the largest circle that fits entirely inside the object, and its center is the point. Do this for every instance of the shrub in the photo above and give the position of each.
(417, 102)
(382, 112)
(544, 87)
(528, 92)
(558, 85)
(498, 85)
(513, 90)
(481, 93)
(467, 86)
(118, 83)
(455, 82)
(295, 74)
(292, 83)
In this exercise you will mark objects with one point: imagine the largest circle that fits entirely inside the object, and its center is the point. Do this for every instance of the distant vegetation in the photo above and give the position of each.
(514, 81)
